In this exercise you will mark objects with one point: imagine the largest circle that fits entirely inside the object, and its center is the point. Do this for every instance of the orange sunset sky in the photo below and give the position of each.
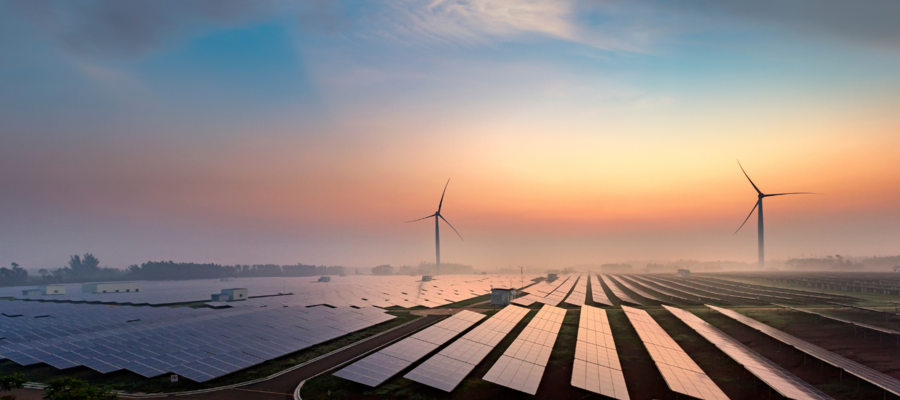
(572, 132)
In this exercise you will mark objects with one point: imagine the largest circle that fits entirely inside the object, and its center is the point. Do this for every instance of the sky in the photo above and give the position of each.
(572, 131)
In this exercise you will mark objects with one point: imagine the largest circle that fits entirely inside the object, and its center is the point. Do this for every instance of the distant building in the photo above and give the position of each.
(324, 279)
(684, 273)
(897, 268)
(501, 296)
(111, 287)
(426, 278)
(54, 289)
(551, 277)
(236, 294)
(32, 292)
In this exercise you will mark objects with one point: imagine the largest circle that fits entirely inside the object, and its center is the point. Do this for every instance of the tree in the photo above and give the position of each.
(74, 389)
(45, 274)
(12, 277)
(383, 270)
(10, 382)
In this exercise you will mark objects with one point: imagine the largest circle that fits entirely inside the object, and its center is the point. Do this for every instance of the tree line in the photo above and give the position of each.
(86, 268)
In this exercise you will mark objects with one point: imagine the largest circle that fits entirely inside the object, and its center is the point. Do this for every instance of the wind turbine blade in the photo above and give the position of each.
(748, 178)
(451, 227)
(748, 216)
(784, 194)
(421, 218)
(442, 196)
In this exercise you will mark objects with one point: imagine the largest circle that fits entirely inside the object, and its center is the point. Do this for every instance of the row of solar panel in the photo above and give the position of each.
(353, 290)
(200, 348)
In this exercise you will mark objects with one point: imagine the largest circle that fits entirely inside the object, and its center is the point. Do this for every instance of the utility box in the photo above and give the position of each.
(324, 279)
(219, 297)
(684, 273)
(54, 289)
(426, 278)
(236, 294)
(552, 277)
(111, 287)
(501, 297)
(31, 292)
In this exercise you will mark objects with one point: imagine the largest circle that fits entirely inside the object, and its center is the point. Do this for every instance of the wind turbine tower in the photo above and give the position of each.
(759, 204)
(437, 230)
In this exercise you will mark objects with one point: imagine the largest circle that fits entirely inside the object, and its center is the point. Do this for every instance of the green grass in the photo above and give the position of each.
(465, 303)
(128, 381)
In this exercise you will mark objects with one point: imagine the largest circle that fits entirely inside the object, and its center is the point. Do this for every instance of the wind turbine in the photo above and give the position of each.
(759, 203)
(437, 232)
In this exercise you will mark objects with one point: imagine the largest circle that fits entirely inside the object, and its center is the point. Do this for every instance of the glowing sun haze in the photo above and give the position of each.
(572, 131)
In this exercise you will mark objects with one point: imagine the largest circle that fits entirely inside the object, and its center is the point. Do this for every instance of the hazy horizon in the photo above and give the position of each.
(572, 132)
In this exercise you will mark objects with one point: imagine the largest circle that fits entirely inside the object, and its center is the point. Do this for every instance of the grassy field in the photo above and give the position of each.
(128, 381)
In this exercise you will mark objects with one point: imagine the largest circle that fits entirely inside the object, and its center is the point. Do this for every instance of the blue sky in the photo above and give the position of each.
(232, 131)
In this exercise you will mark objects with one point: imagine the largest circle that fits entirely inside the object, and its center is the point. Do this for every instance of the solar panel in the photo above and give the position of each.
(863, 372)
(539, 291)
(642, 284)
(634, 288)
(521, 366)
(688, 293)
(169, 339)
(596, 367)
(579, 293)
(376, 368)
(680, 372)
(617, 292)
(846, 321)
(767, 371)
(598, 295)
(451, 365)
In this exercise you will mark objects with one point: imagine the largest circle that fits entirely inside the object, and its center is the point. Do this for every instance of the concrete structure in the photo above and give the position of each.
(54, 289)
(426, 278)
(551, 277)
(111, 287)
(684, 273)
(501, 297)
(324, 279)
(32, 292)
(236, 294)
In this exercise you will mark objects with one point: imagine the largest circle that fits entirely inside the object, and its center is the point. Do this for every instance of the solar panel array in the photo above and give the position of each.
(598, 295)
(846, 321)
(617, 292)
(351, 290)
(680, 372)
(597, 368)
(560, 293)
(642, 284)
(199, 344)
(680, 289)
(451, 365)
(779, 379)
(522, 365)
(865, 373)
(579, 293)
(634, 288)
(382, 365)
(538, 291)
